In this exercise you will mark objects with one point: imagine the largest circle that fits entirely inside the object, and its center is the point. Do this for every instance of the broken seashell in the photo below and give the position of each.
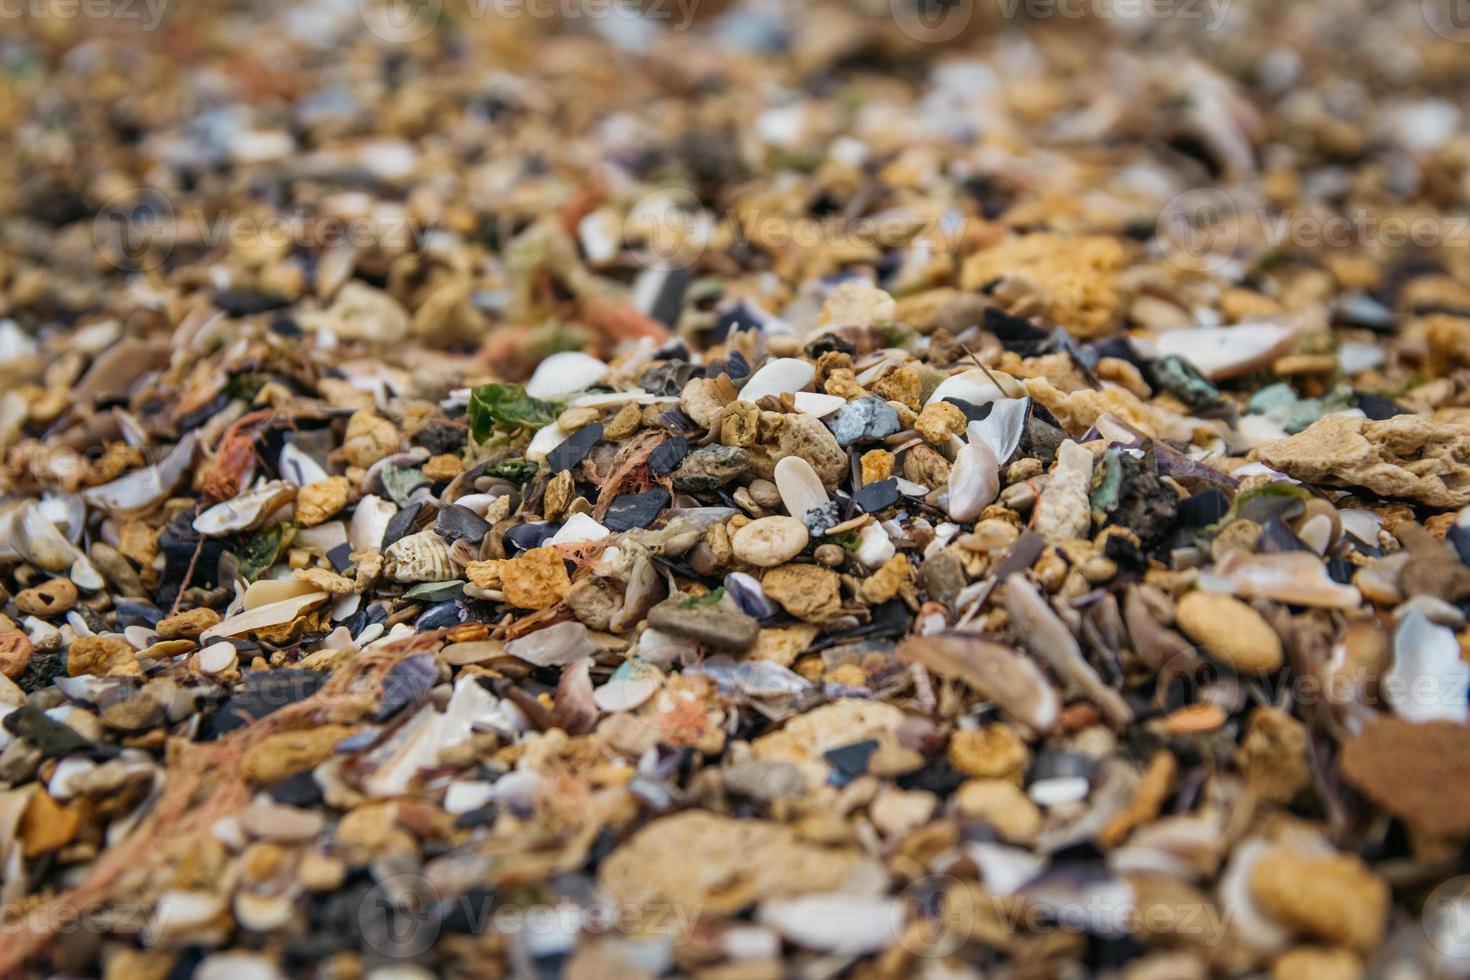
(1001, 430)
(1297, 577)
(799, 485)
(247, 511)
(974, 482)
(565, 374)
(780, 376)
(1225, 352)
(1012, 681)
(298, 467)
(1428, 680)
(261, 617)
(973, 386)
(578, 528)
(146, 488)
(1049, 639)
(554, 646)
(874, 545)
(816, 404)
(843, 923)
(370, 522)
(421, 557)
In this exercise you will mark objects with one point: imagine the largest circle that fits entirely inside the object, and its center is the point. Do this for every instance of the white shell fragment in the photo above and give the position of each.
(973, 386)
(841, 922)
(1001, 430)
(778, 377)
(974, 482)
(577, 529)
(261, 617)
(370, 522)
(800, 487)
(421, 557)
(298, 467)
(148, 487)
(1225, 352)
(565, 374)
(813, 403)
(1428, 680)
(246, 511)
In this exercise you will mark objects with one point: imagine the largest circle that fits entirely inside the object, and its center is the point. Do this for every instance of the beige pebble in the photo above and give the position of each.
(47, 599)
(1001, 804)
(1229, 630)
(770, 541)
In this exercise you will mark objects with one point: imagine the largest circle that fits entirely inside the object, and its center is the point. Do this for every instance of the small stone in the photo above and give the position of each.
(318, 502)
(712, 626)
(277, 757)
(1001, 804)
(187, 625)
(876, 464)
(47, 599)
(939, 421)
(1328, 896)
(858, 304)
(632, 510)
(100, 655)
(456, 523)
(720, 865)
(575, 448)
(805, 591)
(992, 752)
(46, 825)
(874, 497)
(369, 439)
(667, 455)
(764, 781)
(442, 468)
(840, 736)
(1229, 630)
(896, 812)
(710, 467)
(884, 584)
(770, 541)
(806, 437)
(15, 653)
(865, 420)
(536, 579)
(1318, 963)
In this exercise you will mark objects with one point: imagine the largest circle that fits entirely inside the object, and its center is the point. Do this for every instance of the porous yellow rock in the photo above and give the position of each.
(1072, 281)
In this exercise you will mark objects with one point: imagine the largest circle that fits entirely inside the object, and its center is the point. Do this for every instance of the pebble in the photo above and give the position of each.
(805, 591)
(1231, 631)
(740, 862)
(992, 752)
(15, 653)
(277, 757)
(1333, 897)
(770, 541)
(632, 510)
(1000, 803)
(187, 625)
(865, 420)
(873, 497)
(51, 598)
(713, 626)
(575, 448)
(710, 467)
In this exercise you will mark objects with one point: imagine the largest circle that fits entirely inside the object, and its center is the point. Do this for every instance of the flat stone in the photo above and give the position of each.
(1328, 896)
(875, 496)
(667, 455)
(635, 509)
(712, 626)
(575, 448)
